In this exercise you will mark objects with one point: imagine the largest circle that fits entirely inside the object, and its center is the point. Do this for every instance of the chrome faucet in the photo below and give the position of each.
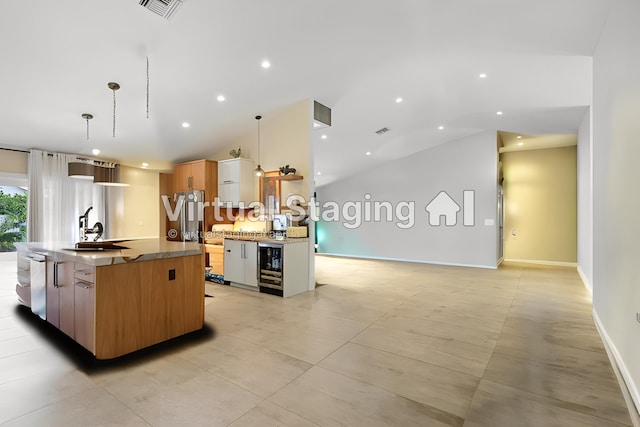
(97, 228)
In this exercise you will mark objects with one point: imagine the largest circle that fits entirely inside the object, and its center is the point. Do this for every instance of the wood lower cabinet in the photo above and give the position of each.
(85, 306)
(139, 304)
(216, 258)
(60, 296)
(67, 298)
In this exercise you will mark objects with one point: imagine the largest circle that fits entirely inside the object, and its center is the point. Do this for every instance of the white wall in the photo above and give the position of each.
(585, 202)
(285, 138)
(616, 188)
(466, 164)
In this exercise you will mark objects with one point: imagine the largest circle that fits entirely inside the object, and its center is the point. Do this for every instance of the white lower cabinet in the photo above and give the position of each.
(241, 263)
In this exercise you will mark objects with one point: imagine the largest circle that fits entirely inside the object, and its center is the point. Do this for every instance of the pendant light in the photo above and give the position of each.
(259, 172)
(87, 117)
(114, 87)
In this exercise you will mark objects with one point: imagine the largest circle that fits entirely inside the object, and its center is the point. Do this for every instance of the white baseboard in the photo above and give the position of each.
(627, 385)
(542, 262)
(585, 281)
(492, 267)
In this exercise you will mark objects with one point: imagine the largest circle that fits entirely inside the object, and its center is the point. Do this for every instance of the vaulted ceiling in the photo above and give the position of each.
(357, 57)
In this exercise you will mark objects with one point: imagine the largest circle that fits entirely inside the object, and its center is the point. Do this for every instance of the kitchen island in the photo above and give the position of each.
(116, 301)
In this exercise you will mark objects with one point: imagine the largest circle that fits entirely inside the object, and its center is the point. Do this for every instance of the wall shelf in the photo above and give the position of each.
(287, 177)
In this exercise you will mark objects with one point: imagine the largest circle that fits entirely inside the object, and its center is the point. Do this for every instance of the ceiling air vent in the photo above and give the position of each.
(164, 8)
(382, 131)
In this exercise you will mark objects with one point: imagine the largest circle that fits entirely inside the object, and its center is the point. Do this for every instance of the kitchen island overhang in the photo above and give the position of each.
(115, 302)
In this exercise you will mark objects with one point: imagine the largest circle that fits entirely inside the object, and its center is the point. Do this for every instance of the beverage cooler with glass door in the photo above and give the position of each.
(270, 268)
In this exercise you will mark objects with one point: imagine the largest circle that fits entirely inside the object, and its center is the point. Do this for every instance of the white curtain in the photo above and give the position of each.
(56, 201)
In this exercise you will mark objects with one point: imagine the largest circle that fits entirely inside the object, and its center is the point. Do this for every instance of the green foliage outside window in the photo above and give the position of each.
(13, 220)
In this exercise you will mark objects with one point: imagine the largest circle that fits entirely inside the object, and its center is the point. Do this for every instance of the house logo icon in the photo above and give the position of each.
(445, 206)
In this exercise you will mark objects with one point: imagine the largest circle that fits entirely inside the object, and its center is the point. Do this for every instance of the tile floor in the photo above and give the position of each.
(376, 344)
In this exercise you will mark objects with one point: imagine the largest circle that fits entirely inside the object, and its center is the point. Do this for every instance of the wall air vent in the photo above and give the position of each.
(164, 8)
(382, 131)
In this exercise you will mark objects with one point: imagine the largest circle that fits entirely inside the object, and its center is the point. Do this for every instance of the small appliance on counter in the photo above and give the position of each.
(280, 222)
(297, 232)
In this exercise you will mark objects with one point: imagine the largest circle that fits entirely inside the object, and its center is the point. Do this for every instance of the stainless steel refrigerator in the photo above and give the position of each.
(190, 208)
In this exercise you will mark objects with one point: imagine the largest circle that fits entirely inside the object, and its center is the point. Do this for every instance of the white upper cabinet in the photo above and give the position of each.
(236, 181)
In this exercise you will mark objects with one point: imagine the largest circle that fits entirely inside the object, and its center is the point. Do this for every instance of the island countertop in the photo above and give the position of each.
(134, 250)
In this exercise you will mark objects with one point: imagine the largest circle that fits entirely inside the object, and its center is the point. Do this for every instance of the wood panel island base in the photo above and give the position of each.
(123, 300)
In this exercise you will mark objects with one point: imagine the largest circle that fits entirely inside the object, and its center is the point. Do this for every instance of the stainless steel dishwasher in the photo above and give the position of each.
(38, 273)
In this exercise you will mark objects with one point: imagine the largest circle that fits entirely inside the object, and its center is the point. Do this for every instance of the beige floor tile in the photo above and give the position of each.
(588, 384)
(252, 367)
(30, 393)
(268, 414)
(36, 362)
(472, 333)
(447, 353)
(497, 405)
(94, 407)
(331, 399)
(440, 388)
(172, 391)
(302, 335)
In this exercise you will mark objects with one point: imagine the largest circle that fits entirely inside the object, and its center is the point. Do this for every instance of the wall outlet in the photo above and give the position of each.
(172, 275)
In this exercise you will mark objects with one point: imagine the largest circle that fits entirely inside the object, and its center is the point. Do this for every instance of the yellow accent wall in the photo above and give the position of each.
(540, 205)
(134, 211)
(13, 161)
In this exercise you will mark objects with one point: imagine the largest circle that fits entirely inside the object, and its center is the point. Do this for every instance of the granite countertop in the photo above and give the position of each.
(258, 236)
(135, 250)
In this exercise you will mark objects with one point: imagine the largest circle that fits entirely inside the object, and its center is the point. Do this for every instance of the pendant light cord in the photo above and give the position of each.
(147, 87)
(114, 113)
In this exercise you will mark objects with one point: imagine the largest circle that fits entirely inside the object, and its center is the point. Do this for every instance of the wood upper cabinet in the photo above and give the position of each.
(202, 173)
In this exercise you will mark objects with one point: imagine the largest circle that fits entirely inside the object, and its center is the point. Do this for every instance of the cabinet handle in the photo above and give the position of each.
(84, 273)
(228, 182)
(55, 274)
(82, 285)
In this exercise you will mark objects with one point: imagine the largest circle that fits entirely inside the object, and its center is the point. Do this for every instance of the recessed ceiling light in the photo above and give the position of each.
(145, 165)
(440, 127)
(185, 125)
(319, 173)
(368, 153)
(221, 98)
(265, 64)
(519, 136)
(398, 100)
(521, 143)
(95, 151)
(324, 137)
(499, 113)
(483, 75)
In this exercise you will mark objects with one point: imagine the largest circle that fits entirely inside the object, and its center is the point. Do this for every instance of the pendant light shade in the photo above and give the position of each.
(108, 175)
(80, 170)
(259, 172)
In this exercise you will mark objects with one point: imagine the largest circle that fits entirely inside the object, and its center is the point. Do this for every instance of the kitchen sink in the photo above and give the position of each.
(98, 246)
